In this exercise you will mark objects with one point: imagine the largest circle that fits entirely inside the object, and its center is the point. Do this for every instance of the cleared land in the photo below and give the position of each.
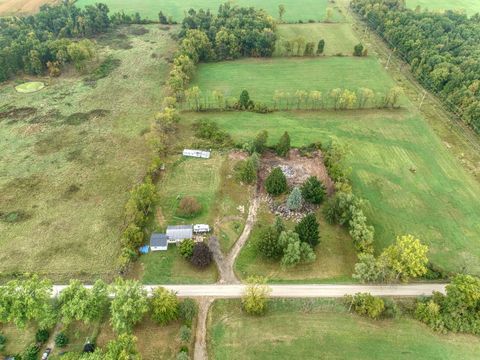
(21, 7)
(69, 155)
(339, 37)
(310, 9)
(309, 329)
(438, 202)
(262, 77)
(470, 6)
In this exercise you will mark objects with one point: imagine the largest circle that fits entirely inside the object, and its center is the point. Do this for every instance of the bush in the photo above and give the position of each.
(3, 341)
(42, 336)
(30, 353)
(283, 145)
(187, 311)
(189, 207)
(186, 248)
(244, 102)
(268, 244)
(61, 340)
(202, 256)
(183, 355)
(308, 230)
(366, 305)
(185, 334)
(246, 170)
(208, 130)
(358, 50)
(276, 182)
(313, 190)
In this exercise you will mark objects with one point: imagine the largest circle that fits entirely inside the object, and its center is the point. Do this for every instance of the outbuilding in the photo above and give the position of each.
(178, 233)
(158, 242)
(196, 153)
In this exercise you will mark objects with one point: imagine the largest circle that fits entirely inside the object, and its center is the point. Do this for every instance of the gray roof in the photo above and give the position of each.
(157, 239)
(179, 232)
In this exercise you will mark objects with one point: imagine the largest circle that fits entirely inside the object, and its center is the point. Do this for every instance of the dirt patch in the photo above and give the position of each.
(80, 118)
(16, 114)
(237, 155)
(138, 30)
(297, 168)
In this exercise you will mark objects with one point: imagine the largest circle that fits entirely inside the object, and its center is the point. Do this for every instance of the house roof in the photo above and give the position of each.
(179, 232)
(157, 239)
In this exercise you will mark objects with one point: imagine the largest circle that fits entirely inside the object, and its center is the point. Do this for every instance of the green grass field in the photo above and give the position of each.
(17, 339)
(339, 37)
(262, 77)
(70, 155)
(469, 6)
(310, 9)
(438, 203)
(322, 329)
(335, 261)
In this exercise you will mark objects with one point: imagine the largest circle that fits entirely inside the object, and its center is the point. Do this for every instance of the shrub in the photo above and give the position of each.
(246, 170)
(283, 145)
(308, 230)
(209, 130)
(276, 182)
(185, 334)
(42, 336)
(187, 311)
(183, 355)
(366, 305)
(133, 236)
(186, 248)
(189, 207)
(268, 244)
(3, 341)
(358, 50)
(30, 353)
(313, 190)
(295, 200)
(61, 340)
(164, 306)
(202, 256)
(244, 102)
(260, 142)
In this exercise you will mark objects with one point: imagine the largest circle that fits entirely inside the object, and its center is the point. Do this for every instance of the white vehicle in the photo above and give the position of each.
(201, 228)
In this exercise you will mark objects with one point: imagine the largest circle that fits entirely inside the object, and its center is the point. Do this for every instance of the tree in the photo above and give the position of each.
(186, 248)
(347, 99)
(164, 305)
(141, 203)
(335, 95)
(329, 14)
(294, 251)
(276, 182)
(407, 257)
(255, 298)
(133, 236)
(202, 256)
(320, 47)
(246, 170)
(189, 207)
(162, 18)
(315, 98)
(283, 145)
(281, 11)
(193, 95)
(82, 304)
(260, 142)
(300, 41)
(128, 305)
(122, 348)
(313, 190)
(80, 52)
(220, 98)
(301, 96)
(368, 269)
(295, 200)
(187, 311)
(244, 102)
(364, 97)
(26, 300)
(308, 230)
(185, 334)
(366, 304)
(268, 244)
(61, 340)
(358, 50)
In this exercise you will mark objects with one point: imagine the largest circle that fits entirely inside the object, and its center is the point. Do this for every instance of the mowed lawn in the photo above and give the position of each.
(262, 77)
(437, 201)
(69, 155)
(469, 6)
(339, 37)
(309, 10)
(323, 329)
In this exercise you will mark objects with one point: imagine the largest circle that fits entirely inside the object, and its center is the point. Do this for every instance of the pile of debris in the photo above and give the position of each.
(281, 209)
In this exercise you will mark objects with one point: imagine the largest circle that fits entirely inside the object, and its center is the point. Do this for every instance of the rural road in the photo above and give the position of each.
(293, 291)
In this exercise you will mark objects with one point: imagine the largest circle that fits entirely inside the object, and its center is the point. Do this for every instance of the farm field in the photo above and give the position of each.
(308, 329)
(21, 7)
(310, 9)
(335, 261)
(438, 203)
(339, 37)
(262, 77)
(70, 154)
(470, 6)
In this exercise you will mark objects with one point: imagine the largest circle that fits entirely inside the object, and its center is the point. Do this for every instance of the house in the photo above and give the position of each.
(196, 153)
(178, 233)
(158, 242)
(201, 228)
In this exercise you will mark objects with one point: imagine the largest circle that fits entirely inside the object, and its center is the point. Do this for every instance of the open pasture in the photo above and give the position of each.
(263, 77)
(469, 6)
(339, 37)
(323, 329)
(70, 155)
(412, 183)
(310, 9)
(21, 7)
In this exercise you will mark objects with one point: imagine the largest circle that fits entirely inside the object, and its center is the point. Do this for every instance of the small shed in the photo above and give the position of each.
(178, 233)
(201, 228)
(196, 153)
(158, 242)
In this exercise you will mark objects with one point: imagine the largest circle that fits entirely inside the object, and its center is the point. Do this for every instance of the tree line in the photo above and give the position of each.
(442, 49)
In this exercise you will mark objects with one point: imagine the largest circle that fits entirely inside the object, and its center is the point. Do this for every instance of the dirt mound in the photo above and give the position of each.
(18, 113)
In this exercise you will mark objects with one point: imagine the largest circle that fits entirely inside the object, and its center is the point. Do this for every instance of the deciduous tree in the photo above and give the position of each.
(255, 298)
(165, 306)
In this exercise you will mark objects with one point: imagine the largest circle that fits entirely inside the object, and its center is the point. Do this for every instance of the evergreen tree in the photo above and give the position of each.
(245, 103)
(295, 200)
(260, 142)
(276, 182)
(321, 47)
(268, 244)
(283, 146)
(313, 190)
(358, 50)
(308, 230)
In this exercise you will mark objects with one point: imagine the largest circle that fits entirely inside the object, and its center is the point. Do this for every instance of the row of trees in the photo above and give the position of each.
(300, 47)
(338, 99)
(441, 48)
